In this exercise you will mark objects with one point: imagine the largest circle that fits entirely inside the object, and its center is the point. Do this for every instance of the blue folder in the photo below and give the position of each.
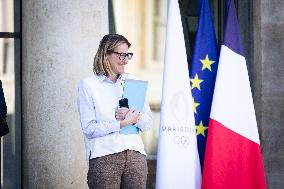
(135, 92)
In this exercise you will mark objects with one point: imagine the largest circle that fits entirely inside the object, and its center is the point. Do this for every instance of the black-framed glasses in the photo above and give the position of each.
(122, 56)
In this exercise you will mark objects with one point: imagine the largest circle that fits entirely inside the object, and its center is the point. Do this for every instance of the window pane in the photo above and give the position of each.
(6, 15)
(7, 59)
(159, 28)
(10, 143)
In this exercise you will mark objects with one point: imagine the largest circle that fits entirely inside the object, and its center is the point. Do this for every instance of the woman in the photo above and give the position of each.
(3, 113)
(115, 160)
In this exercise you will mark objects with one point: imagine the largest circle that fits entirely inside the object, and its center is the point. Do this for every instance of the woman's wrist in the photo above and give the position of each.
(124, 123)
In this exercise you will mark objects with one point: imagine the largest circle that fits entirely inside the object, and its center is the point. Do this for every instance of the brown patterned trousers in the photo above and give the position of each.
(123, 170)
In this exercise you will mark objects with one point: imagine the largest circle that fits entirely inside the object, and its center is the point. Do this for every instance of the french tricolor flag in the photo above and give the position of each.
(233, 157)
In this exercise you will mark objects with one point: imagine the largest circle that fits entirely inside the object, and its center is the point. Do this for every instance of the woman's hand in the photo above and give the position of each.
(131, 117)
(121, 113)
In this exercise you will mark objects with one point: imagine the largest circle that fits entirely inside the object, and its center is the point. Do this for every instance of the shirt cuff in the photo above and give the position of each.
(141, 124)
(115, 126)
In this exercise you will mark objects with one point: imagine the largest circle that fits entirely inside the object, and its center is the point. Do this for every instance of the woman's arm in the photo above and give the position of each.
(143, 119)
(146, 118)
(3, 107)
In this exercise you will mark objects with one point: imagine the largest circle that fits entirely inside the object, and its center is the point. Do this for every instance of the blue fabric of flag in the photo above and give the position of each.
(232, 37)
(203, 74)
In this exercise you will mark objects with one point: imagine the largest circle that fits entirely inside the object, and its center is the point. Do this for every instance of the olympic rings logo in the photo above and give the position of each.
(182, 140)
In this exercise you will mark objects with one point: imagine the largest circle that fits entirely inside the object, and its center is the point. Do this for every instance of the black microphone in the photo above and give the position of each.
(123, 103)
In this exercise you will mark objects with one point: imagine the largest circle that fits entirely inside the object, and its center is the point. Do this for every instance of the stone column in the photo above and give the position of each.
(269, 86)
(60, 38)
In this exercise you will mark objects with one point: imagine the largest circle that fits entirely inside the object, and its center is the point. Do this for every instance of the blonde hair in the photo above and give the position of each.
(108, 43)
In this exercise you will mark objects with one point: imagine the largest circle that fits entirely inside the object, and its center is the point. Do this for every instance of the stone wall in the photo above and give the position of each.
(60, 38)
(269, 86)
